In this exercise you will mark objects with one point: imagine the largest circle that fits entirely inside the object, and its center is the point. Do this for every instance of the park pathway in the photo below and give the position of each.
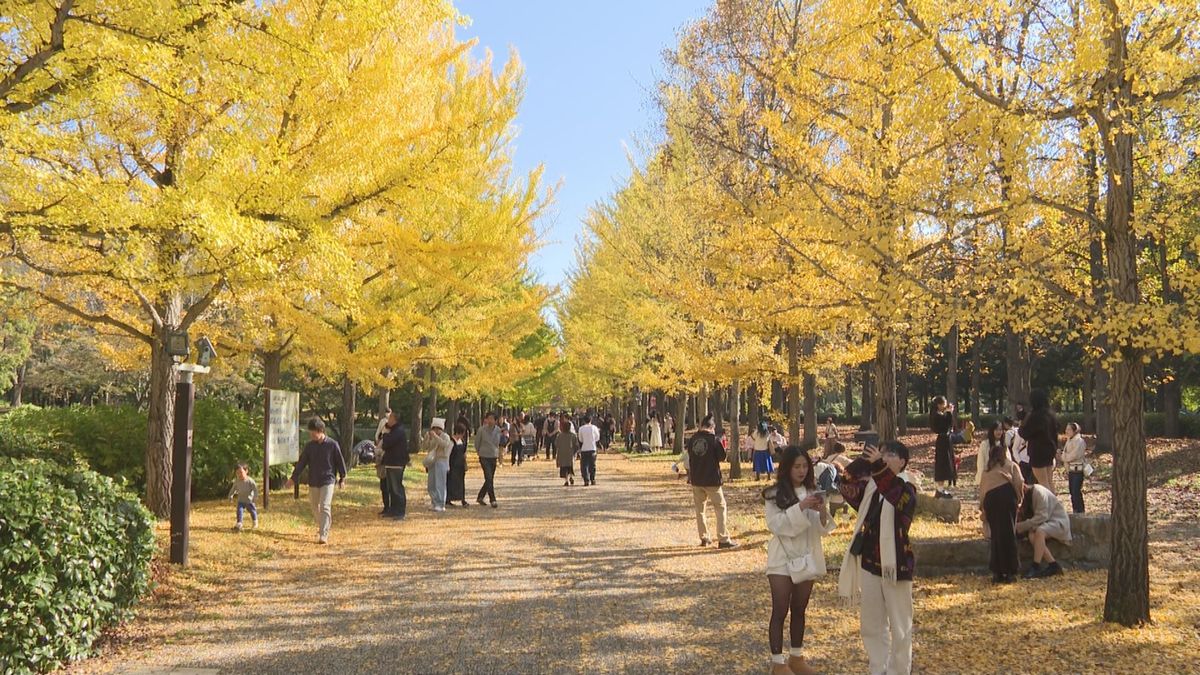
(557, 580)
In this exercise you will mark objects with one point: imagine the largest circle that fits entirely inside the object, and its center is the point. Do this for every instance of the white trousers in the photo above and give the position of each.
(321, 499)
(886, 618)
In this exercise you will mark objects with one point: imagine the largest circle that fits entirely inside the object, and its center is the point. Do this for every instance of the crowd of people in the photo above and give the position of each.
(1015, 467)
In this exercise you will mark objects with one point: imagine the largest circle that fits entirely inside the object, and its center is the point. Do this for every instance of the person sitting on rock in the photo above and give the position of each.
(1043, 517)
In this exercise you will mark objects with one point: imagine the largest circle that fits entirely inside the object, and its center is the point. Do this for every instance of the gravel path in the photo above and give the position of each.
(582, 579)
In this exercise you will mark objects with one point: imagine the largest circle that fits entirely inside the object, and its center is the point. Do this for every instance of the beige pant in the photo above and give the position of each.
(321, 500)
(1044, 475)
(887, 619)
(703, 495)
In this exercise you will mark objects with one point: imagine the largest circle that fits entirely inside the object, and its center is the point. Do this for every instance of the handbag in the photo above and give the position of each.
(1088, 469)
(800, 569)
(429, 459)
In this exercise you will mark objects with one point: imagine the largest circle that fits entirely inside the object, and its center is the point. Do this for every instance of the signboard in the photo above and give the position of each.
(282, 426)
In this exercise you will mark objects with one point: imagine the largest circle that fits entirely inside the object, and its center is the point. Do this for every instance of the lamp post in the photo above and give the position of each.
(181, 464)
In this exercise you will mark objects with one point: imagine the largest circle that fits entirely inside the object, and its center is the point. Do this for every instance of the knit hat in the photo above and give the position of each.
(438, 423)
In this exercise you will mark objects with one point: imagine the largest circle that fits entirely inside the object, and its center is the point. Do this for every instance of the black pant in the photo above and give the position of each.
(516, 454)
(489, 479)
(383, 489)
(1027, 473)
(1000, 503)
(1075, 484)
(398, 505)
(587, 466)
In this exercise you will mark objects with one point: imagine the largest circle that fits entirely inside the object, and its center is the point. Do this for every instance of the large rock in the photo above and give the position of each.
(945, 510)
(1089, 547)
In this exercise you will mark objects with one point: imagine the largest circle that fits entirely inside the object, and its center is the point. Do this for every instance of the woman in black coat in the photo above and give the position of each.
(456, 487)
(941, 420)
(1040, 431)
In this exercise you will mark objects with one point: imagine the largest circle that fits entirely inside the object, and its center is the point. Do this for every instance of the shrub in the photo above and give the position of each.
(75, 555)
(223, 436)
(110, 439)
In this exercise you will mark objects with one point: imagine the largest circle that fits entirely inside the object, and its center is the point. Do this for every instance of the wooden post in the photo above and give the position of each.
(266, 493)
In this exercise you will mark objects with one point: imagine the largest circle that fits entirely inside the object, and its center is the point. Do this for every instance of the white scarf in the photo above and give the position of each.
(849, 584)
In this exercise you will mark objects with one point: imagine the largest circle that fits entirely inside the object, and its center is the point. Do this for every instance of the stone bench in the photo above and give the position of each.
(1089, 547)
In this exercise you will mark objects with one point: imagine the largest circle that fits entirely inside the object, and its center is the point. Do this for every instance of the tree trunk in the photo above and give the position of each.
(1089, 404)
(753, 405)
(272, 363)
(793, 389)
(681, 407)
(884, 392)
(161, 428)
(702, 401)
(19, 385)
(952, 366)
(849, 393)
(735, 433)
(431, 411)
(777, 395)
(1017, 348)
(1127, 600)
(1172, 401)
(810, 399)
(346, 421)
(902, 394)
(976, 368)
(867, 400)
(640, 422)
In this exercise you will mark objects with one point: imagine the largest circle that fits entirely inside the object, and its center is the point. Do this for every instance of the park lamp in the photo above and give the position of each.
(177, 345)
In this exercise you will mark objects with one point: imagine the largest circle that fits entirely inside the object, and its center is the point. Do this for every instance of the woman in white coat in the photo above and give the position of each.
(798, 517)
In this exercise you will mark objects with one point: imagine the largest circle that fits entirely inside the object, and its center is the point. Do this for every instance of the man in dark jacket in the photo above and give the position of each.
(705, 454)
(323, 457)
(395, 460)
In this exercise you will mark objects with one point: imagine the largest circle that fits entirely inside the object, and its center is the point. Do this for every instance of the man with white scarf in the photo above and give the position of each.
(877, 571)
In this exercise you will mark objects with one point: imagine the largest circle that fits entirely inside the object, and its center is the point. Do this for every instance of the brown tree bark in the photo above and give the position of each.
(867, 399)
(346, 421)
(902, 394)
(885, 388)
(161, 428)
(681, 407)
(1019, 367)
(849, 393)
(952, 366)
(810, 399)
(272, 364)
(735, 434)
(793, 389)
(976, 368)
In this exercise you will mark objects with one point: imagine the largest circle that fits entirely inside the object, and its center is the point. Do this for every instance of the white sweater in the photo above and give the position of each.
(797, 532)
(1074, 453)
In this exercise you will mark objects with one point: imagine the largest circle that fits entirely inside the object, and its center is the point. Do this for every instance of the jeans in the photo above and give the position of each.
(436, 483)
(489, 479)
(321, 500)
(516, 453)
(398, 500)
(1075, 484)
(701, 497)
(629, 442)
(587, 466)
(249, 506)
(383, 489)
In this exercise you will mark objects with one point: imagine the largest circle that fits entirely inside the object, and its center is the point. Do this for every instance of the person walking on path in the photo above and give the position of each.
(1000, 490)
(589, 440)
(705, 454)
(381, 472)
(437, 446)
(548, 431)
(246, 491)
(326, 468)
(566, 446)
(456, 479)
(655, 432)
(831, 434)
(764, 450)
(1040, 431)
(630, 427)
(1074, 456)
(1043, 517)
(878, 568)
(395, 458)
(487, 446)
(941, 421)
(797, 517)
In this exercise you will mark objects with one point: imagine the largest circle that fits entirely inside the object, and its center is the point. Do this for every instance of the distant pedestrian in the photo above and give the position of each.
(878, 569)
(704, 456)
(245, 491)
(437, 446)
(654, 431)
(941, 421)
(589, 440)
(764, 451)
(566, 446)
(1074, 456)
(1018, 449)
(630, 428)
(456, 479)
(549, 430)
(797, 517)
(395, 461)
(1000, 491)
(380, 471)
(831, 434)
(487, 446)
(1040, 431)
(326, 469)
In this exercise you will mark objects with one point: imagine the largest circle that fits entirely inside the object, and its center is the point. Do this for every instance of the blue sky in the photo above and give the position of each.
(590, 68)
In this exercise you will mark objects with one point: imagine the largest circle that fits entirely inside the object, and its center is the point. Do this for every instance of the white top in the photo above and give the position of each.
(981, 459)
(761, 442)
(589, 436)
(831, 431)
(778, 439)
(379, 430)
(1074, 453)
(1018, 449)
(797, 533)
(529, 432)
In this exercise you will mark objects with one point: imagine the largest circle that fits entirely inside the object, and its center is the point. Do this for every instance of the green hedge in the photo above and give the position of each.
(112, 441)
(75, 555)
